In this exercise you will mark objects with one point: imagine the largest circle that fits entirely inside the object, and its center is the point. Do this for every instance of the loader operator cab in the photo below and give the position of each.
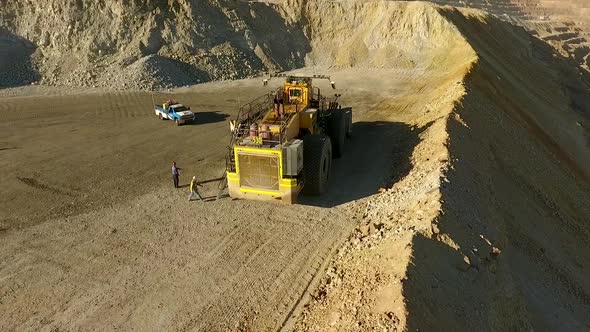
(295, 95)
(296, 92)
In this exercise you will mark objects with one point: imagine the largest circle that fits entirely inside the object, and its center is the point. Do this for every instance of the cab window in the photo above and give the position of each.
(294, 92)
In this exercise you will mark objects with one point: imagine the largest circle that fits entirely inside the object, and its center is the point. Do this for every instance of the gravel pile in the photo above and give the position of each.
(149, 44)
(15, 65)
(19, 73)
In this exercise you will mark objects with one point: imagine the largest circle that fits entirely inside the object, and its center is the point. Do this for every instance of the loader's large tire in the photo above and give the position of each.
(336, 130)
(317, 163)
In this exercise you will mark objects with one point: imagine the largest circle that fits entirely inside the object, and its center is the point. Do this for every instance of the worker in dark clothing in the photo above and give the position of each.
(276, 109)
(194, 189)
(175, 174)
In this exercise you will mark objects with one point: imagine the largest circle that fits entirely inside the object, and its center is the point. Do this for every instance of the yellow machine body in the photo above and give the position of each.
(258, 165)
(259, 175)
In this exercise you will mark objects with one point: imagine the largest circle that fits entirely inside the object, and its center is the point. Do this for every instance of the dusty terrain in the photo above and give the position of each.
(86, 191)
(461, 201)
(116, 246)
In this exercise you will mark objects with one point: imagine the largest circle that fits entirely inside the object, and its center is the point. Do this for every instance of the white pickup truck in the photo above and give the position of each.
(179, 113)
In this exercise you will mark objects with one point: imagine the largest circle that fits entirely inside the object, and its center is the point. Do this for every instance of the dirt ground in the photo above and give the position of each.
(110, 244)
(461, 201)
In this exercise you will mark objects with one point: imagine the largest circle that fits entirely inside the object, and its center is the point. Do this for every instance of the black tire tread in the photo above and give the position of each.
(337, 125)
(314, 147)
(348, 128)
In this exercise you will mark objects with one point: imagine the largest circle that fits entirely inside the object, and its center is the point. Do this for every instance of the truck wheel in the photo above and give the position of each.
(177, 122)
(160, 116)
(317, 163)
(336, 130)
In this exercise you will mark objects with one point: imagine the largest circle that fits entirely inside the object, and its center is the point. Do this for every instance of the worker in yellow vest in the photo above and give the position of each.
(194, 190)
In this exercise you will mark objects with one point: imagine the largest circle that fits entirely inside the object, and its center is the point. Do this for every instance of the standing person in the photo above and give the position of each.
(277, 111)
(175, 174)
(194, 190)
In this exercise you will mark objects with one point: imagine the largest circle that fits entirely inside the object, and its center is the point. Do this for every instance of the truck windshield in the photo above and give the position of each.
(180, 109)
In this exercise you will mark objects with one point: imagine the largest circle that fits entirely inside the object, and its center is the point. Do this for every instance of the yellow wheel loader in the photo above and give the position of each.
(283, 142)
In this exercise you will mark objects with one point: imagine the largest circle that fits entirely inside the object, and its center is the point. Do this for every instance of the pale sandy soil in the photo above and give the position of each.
(476, 131)
(108, 243)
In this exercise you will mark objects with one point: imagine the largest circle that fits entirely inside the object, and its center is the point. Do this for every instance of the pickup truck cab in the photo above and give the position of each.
(176, 112)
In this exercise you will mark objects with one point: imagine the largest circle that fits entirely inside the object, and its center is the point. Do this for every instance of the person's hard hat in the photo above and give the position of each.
(194, 177)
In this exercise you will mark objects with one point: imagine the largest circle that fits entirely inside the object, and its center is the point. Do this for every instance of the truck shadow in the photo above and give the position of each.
(208, 117)
(377, 156)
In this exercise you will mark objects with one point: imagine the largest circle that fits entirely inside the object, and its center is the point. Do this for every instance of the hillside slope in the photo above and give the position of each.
(518, 182)
(140, 44)
(159, 44)
(489, 229)
(564, 24)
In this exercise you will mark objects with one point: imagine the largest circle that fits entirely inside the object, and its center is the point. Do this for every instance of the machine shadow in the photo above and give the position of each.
(378, 154)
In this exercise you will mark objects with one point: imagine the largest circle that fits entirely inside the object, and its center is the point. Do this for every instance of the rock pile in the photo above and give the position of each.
(15, 68)
(146, 44)
(157, 44)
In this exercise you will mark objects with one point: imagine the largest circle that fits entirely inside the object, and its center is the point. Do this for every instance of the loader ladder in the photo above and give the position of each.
(247, 115)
